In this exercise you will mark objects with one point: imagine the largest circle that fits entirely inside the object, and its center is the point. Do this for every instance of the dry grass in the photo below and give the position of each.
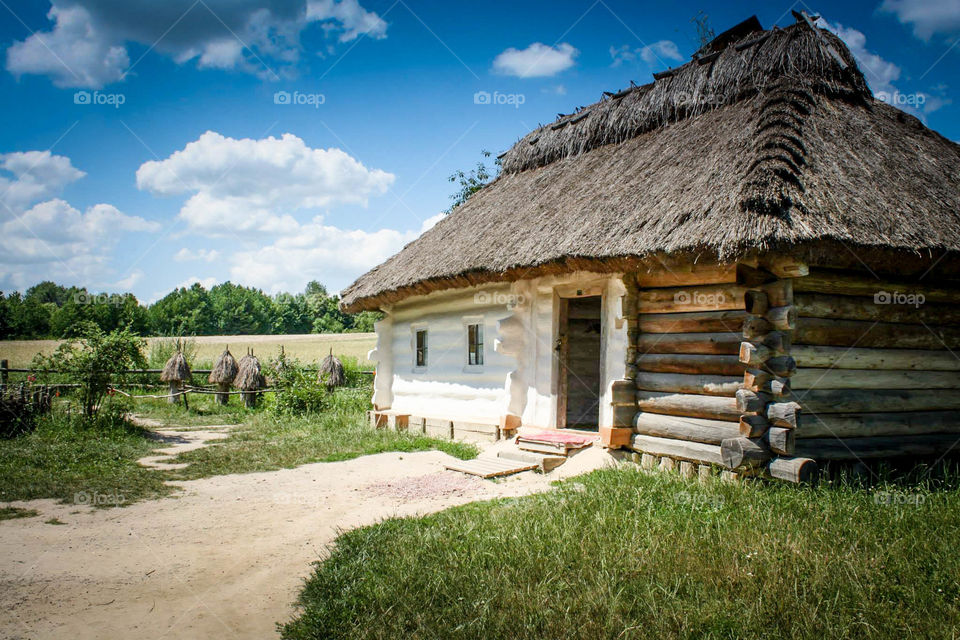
(307, 348)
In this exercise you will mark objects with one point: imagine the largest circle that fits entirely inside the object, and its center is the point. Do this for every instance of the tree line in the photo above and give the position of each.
(49, 310)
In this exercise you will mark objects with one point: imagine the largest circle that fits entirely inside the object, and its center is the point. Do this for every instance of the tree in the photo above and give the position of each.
(182, 312)
(363, 322)
(472, 181)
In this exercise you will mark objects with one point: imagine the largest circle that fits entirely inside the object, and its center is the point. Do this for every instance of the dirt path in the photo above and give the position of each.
(223, 559)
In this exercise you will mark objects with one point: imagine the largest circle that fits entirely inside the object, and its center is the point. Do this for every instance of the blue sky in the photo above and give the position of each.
(270, 142)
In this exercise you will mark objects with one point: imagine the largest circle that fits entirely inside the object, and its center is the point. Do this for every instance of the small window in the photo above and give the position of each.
(475, 344)
(421, 357)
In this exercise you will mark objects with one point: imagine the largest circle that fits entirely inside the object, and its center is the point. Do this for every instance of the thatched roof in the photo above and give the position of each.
(176, 369)
(774, 142)
(249, 376)
(331, 372)
(224, 370)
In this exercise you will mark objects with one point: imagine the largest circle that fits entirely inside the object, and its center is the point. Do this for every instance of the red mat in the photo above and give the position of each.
(555, 436)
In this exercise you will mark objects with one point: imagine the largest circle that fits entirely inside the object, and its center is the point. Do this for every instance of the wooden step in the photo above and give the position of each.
(490, 467)
(545, 463)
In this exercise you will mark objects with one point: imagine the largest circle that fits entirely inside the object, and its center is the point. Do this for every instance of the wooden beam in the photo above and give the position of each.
(878, 424)
(680, 449)
(832, 401)
(855, 333)
(815, 305)
(744, 452)
(690, 363)
(689, 273)
(799, 470)
(696, 322)
(718, 297)
(850, 284)
(701, 343)
(682, 383)
(818, 356)
(680, 428)
(688, 405)
(872, 379)
(881, 447)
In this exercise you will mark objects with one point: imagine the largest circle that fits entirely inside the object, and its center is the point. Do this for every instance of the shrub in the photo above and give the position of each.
(297, 391)
(93, 361)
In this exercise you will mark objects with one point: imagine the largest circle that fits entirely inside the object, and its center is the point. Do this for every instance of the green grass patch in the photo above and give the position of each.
(203, 410)
(12, 513)
(621, 554)
(76, 460)
(267, 442)
(54, 521)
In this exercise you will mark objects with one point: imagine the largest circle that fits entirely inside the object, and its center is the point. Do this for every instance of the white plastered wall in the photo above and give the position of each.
(520, 373)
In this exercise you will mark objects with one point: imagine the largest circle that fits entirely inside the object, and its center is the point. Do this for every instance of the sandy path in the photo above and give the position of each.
(223, 559)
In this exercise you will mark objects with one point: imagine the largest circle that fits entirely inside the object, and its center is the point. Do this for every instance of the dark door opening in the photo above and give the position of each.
(580, 363)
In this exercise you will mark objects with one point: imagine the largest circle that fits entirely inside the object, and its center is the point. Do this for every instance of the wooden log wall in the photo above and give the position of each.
(877, 375)
(711, 360)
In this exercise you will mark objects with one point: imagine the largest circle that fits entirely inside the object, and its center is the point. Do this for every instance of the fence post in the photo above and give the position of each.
(4, 365)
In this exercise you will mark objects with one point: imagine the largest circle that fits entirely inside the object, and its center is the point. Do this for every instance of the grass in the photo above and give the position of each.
(204, 410)
(54, 521)
(71, 460)
(308, 348)
(266, 442)
(12, 513)
(622, 554)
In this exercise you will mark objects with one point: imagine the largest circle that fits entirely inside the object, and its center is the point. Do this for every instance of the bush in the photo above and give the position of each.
(297, 391)
(93, 362)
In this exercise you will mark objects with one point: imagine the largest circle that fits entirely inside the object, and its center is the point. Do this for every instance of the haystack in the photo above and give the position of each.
(331, 372)
(249, 379)
(176, 373)
(222, 375)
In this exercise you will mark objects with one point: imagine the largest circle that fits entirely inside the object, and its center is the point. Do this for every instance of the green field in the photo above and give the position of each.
(308, 348)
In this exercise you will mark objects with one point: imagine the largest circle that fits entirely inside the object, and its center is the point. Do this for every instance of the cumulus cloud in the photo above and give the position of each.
(319, 252)
(44, 237)
(928, 17)
(34, 176)
(87, 45)
(200, 255)
(256, 185)
(537, 60)
(882, 75)
(206, 283)
(658, 52)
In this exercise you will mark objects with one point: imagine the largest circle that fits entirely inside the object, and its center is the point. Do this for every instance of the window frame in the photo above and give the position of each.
(468, 323)
(417, 350)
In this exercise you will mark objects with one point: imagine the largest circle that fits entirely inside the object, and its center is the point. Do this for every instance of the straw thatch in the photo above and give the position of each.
(773, 143)
(331, 372)
(224, 370)
(249, 376)
(176, 369)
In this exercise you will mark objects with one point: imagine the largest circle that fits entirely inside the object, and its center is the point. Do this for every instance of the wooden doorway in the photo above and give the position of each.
(579, 363)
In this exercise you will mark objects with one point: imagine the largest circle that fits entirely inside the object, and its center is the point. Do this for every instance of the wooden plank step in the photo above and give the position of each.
(489, 467)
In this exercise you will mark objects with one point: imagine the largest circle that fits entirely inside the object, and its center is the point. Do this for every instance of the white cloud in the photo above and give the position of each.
(881, 75)
(126, 284)
(200, 255)
(347, 17)
(319, 252)
(36, 175)
(44, 237)
(256, 185)
(928, 17)
(87, 44)
(206, 283)
(74, 54)
(537, 60)
(658, 52)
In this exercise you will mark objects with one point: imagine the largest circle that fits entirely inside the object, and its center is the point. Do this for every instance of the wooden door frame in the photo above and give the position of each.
(563, 294)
